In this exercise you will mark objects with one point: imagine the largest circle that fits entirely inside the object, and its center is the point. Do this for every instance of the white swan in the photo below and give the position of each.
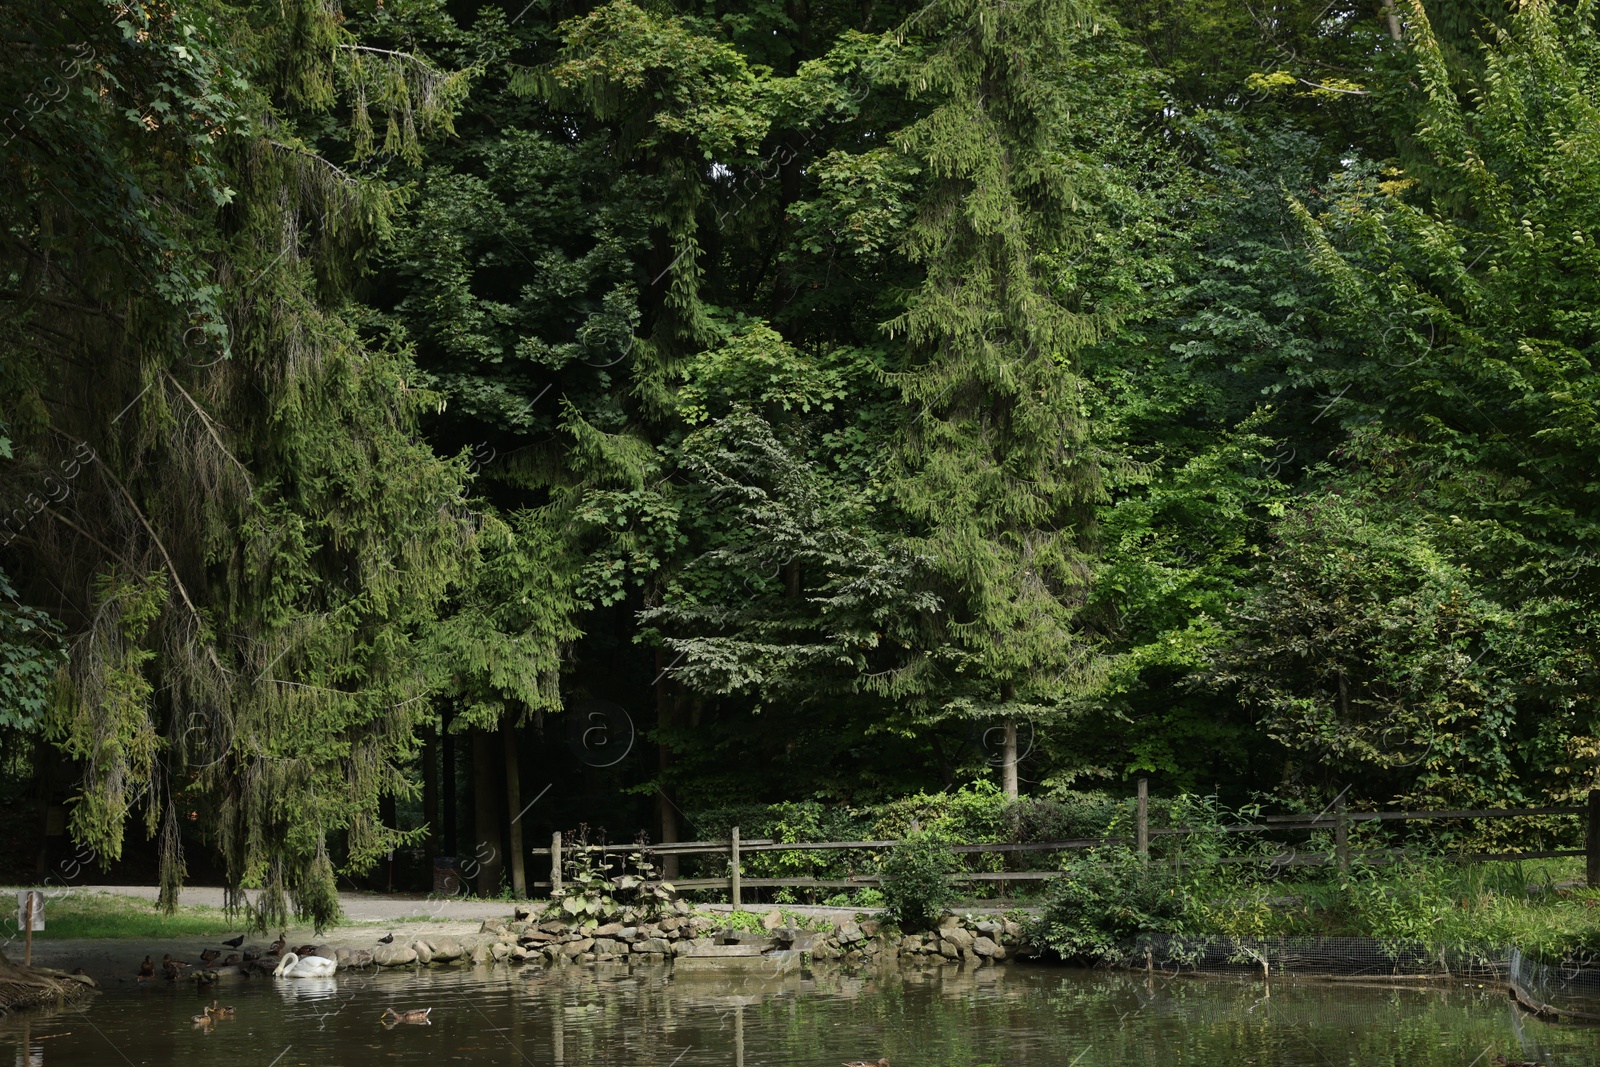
(292, 966)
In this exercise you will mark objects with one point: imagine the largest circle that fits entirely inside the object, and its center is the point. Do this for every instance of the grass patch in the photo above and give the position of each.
(82, 915)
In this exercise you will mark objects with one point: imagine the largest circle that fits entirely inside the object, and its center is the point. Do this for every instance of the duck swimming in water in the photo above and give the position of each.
(390, 1017)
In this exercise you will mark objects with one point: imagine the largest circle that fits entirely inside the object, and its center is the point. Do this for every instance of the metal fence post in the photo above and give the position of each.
(733, 870)
(555, 864)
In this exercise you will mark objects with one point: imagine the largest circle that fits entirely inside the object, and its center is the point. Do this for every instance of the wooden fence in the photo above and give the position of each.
(1336, 818)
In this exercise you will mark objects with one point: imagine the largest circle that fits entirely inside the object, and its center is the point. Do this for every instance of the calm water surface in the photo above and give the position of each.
(585, 1017)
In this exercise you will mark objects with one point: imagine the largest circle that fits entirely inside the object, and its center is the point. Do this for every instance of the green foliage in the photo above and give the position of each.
(913, 883)
(1106, 899)
(591, 894)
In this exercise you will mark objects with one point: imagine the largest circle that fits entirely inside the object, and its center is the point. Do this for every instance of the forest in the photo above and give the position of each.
(419, 414)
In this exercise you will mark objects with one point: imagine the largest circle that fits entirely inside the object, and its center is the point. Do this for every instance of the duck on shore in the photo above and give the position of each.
(147, 969)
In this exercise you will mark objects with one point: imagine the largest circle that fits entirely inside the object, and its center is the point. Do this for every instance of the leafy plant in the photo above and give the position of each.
(599, 887)
(1104, 900)
(912, 880)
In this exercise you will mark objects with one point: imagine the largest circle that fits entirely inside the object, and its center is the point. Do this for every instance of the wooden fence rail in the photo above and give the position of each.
(1336, 819)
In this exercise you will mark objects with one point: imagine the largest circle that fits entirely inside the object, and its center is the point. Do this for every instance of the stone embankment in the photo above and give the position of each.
(710, 941)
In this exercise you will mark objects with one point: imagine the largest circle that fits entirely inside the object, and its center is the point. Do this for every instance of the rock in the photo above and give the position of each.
(573, 949)
(989, 929)
(606, 930)
(983, 946)
(1012, 929)
(446, 949)
(492, 926)
(555, 926)
(605, 946)
(708, 948)
(681, 907)
(772, 920)
(629, 934)
(393, 955)
(853, 956)
(361, 957)
(825, 949)
(958, 937)
(910, 946)
(949, 922)
(850, 933)
(341, 956)
(538, 937)
(670, 924)
(999, 952)
(522, 912)
(500, 951)
(871, 927)
(652, 944)
(948, 949)
(423, 950)
(479, 953)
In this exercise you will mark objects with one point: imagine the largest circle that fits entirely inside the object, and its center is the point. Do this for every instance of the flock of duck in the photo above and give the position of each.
(302, 962)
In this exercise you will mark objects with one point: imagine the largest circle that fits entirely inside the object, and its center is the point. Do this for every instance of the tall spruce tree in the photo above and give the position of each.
(996, 465)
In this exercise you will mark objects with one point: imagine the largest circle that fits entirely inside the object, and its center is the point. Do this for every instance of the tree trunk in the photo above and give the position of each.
(485, 821)
(666, 812)
(1008, 761)
(508, 738)
(447, 786)
(430, 793)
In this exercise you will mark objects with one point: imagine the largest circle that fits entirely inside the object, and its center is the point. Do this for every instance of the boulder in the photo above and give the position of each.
(573, 949)
(446, 949)
(652, 944)
(962, 939)
(492, 926)
(629, 934)
(393, 955)
(985, 947)
(989, 929)
(341, 956)
(500, 951)
(606, 930)
(361, 957)
(1012, 929)
(850, 933)
(871, 927)
(772, 920)
(948, 949)
(555, 926)
(423, 950)
(605, 946)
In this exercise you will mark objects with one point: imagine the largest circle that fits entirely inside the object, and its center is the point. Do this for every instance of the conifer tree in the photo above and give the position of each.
(996, 465)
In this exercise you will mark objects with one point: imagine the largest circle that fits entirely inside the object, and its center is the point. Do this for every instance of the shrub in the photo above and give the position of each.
(1104, 900)
(912, 880)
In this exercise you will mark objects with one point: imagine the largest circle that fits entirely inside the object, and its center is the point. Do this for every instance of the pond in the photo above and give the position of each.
(613, 1017)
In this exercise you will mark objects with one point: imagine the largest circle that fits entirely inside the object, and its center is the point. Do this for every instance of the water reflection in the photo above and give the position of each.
(612, 1016)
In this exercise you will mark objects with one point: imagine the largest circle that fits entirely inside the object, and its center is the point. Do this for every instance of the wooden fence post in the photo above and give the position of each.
(555, 864)
(1341, 836)
(1141, 828)
(1591, 839)
(733, 870)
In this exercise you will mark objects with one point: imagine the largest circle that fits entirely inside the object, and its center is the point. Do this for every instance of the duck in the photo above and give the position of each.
(868, 1063)
(415, 1015)
(201, 1021)
(277, 947)
(235, 942)
(208, 955)
(293, 966)
(230, 959)
(306, 950)
(147, 969)
(172, 968)
(224, 1012)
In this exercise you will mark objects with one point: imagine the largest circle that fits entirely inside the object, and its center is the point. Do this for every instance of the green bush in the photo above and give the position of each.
(1104, 900)
(912, 880)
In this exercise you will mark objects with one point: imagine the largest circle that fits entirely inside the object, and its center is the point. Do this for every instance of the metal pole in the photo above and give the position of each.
(733, 870)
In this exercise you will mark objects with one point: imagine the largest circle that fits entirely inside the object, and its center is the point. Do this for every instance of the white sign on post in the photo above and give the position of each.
(22, 909)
